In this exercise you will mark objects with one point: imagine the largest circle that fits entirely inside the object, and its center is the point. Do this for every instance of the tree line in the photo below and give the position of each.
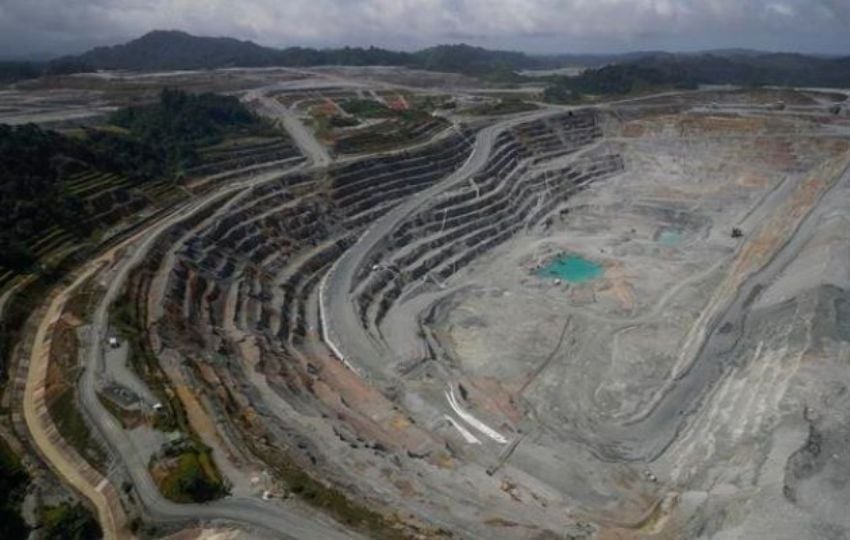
(144, 143)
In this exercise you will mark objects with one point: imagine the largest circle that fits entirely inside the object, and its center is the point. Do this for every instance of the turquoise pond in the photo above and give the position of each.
(572, 268)
(670, 237)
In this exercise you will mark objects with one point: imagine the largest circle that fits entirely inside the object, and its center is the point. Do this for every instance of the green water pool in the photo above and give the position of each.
(572, 268)
(670, 237)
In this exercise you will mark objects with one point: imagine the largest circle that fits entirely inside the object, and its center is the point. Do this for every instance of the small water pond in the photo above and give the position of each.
(572, 268)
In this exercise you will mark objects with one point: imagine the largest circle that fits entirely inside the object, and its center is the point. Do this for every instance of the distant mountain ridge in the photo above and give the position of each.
(176, 50)
(173, 49)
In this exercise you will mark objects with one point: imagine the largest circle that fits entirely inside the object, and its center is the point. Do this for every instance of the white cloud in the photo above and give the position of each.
(784, 10)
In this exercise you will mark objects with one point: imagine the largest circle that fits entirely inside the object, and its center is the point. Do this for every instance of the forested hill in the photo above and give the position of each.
(753, 69)
(688, 71)
(172, 50)
(169, 49)
(165, 50)
(55, 186)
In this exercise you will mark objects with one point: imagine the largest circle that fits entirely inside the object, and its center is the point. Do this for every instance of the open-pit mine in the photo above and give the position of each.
(629, 319)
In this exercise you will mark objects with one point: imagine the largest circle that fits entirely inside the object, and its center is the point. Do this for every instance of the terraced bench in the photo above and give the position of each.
(507, 196)
(267, 251)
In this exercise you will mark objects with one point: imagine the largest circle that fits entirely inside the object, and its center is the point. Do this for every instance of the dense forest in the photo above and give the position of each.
(13, 483)
(173, 128)
(32, 162)
(16, 71)
(615, 80)
(146, 143)
(660, 71)
(753, 69)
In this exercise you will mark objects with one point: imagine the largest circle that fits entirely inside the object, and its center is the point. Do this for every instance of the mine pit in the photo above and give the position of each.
(501, 324)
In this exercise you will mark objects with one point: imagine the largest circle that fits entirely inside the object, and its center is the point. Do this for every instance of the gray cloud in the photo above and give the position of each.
(552, 25)
(840, 9)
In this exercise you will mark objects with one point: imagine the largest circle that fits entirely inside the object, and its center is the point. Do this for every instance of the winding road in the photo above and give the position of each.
(341, 330)
(289, 521)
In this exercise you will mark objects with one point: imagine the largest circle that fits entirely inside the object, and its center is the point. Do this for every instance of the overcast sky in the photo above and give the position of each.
(41, 27)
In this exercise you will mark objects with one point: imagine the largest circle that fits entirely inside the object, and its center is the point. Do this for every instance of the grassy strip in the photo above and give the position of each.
(343, 121)
(366, 108)
(63, 370)
(74, 429)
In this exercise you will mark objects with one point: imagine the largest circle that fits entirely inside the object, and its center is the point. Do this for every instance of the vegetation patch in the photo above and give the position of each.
(180, 123)
(338, 121)
(65, 413)
(616, 80)
(404, 128)
(243, 148)
(366, 108)
(69, 522)
(60, 191)
(394, 120)
(186, 473)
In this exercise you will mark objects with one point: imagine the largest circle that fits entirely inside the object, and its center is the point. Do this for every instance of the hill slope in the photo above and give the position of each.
(168, 49)
(780, 69)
